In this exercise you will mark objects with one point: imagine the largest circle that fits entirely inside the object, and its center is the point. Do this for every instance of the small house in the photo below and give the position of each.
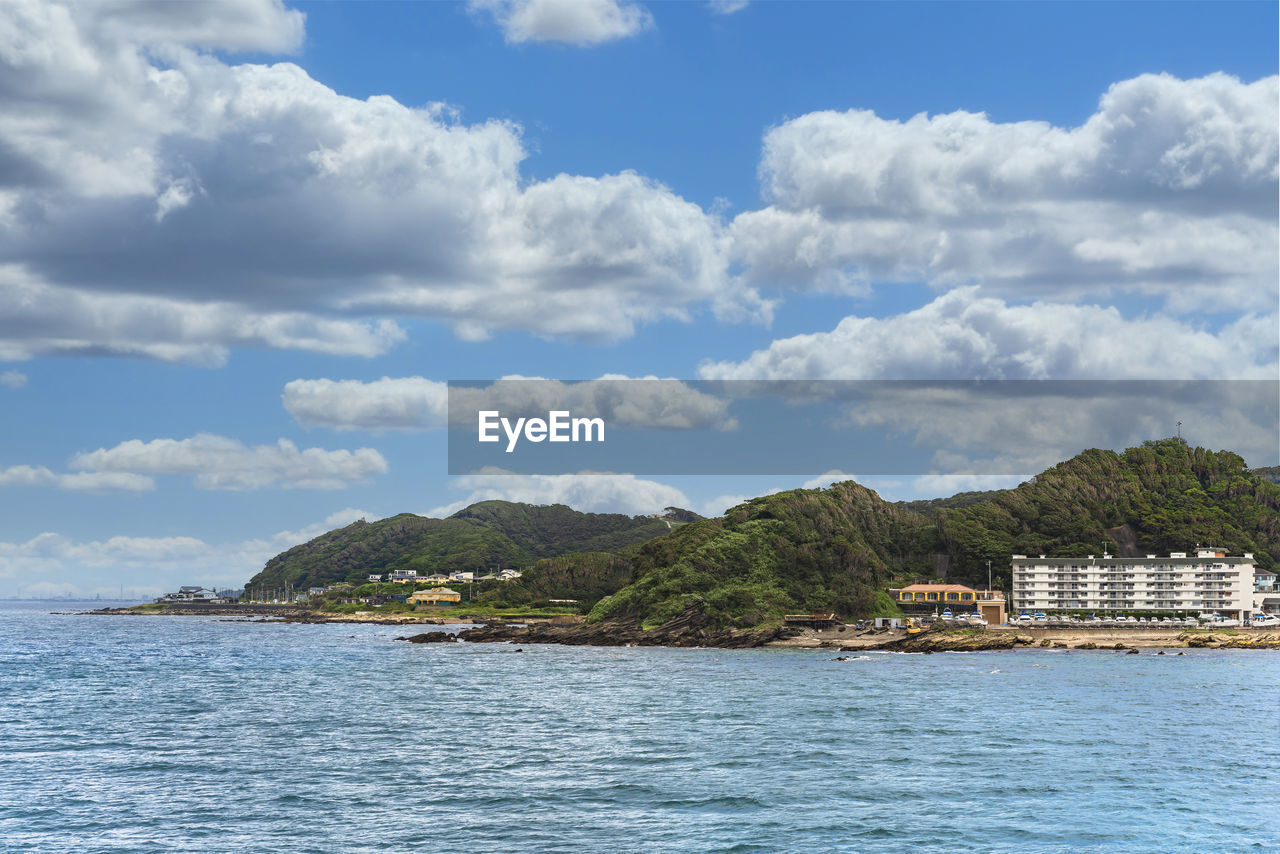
(434, 596)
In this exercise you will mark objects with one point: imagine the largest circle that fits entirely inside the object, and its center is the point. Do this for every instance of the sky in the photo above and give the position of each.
(245, 244)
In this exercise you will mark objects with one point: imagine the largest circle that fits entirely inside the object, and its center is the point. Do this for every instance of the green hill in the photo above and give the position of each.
(836, 549)
(807, 550)
(486, 535)
(587, 577)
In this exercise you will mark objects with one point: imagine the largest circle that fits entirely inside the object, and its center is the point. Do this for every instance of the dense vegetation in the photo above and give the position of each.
(491, 534)
(1163, 496)
(836, 549)
(804, 550)
(586, 576)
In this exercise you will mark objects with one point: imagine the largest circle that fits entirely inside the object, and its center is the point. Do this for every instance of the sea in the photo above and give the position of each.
(206, 734)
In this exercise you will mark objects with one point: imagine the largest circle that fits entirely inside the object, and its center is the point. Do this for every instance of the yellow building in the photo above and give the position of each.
(988, 603)
(434, 596)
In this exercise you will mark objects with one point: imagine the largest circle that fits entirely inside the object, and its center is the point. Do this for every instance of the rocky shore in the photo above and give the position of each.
(690, 629)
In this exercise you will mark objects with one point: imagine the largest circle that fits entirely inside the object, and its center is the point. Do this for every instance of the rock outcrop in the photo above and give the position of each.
(944, 641)
(691, 628)
(1229, 640)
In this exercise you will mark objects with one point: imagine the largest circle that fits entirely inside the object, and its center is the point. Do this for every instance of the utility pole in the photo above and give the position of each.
(988, 576)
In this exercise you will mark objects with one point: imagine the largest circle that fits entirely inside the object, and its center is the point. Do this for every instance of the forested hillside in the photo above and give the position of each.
(836, 549)
(807, 550)
(491, 534)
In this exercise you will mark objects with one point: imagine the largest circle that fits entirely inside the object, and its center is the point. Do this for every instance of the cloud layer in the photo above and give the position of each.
(84, 481)
(416, 403)
(215, 205)
(404, 403)
(577, 22)
(591, 492)
(54, 564)
(1169, 189)
(963, 335)
(217, 462)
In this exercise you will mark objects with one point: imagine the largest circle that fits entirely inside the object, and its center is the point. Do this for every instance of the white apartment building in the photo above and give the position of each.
(1209, 583)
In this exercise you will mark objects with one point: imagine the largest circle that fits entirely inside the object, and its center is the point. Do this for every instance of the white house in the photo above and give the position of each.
(193, 594)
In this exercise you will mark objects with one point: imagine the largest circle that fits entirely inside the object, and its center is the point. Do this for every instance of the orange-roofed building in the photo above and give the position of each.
(989, 604)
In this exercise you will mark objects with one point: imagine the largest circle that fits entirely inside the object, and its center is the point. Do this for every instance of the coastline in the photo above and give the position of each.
(690, 629)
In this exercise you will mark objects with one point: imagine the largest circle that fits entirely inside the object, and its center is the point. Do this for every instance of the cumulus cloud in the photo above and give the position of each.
(996, 430)
(232, 25)
(963, 335)
(727, 7)
(217, 462)
(86, 481)
(38, 319)
(148, 565)
(416, 403)
(404, 403)
(13, 379)
(1169, 189)
(591, 492)
(646, 402)
(215, 205)
(946, 485)
(578, 22)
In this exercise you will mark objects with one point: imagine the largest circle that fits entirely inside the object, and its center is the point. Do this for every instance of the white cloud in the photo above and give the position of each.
(235, 25)
(578, 22)
(991, 430)
(590, 492)
(416, 403)
(1169, 189)
(39, 319)
(217, 462)
(405, 403)
(75, 481)
(13, 379)
(727, 7)
(146, 565)
(261, 208)
(649, 401)
(962, 335)
(946, 485)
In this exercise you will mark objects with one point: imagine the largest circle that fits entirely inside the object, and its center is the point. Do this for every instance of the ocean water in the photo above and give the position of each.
(198, 734)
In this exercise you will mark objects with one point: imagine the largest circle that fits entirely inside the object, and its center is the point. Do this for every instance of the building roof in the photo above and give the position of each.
(939, 588)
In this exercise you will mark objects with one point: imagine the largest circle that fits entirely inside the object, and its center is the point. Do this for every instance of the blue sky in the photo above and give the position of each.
(201, 208)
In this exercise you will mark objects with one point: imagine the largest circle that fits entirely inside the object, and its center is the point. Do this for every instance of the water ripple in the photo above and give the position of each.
(186, 734)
